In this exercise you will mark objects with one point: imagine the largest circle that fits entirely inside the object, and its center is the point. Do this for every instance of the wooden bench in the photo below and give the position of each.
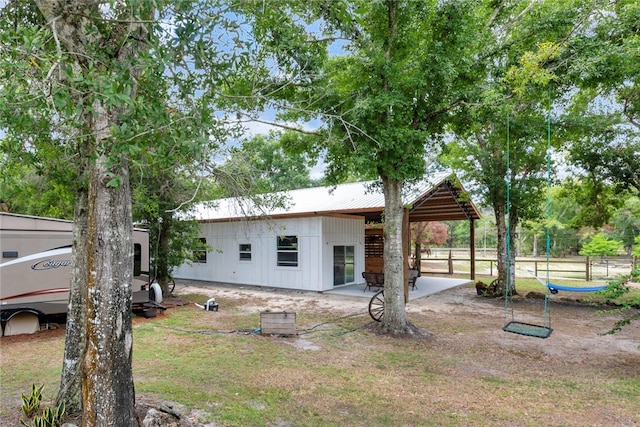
(373, 280)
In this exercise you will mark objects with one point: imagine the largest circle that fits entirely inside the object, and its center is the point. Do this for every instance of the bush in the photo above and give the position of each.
(614, 292)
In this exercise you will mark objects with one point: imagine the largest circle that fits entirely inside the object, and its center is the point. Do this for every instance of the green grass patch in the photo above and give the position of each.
(628, 389)
(339, 373)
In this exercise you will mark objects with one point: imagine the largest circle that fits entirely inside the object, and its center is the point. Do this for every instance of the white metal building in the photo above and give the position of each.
(315, 240)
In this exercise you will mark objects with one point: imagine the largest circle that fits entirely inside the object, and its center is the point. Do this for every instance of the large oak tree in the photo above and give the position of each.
(505, 136)
(387, 100)
(104, 86)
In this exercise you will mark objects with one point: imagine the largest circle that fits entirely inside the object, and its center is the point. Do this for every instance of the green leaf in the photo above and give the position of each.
(114, 182)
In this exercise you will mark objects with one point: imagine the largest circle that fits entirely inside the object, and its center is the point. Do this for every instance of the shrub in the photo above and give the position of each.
(615, 290)
(50, 417)
(31, 403)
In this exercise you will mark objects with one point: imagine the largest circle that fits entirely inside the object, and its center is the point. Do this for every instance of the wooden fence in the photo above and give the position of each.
(580, 268)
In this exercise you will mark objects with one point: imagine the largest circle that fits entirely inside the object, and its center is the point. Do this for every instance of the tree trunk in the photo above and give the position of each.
(506, 245)
(163, 244)
(394, 320)
(99, 335)
(107, 379)
(75, 344)
(501, 250)
(513, 238)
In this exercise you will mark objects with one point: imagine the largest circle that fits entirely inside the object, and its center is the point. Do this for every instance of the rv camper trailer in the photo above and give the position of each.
(35, 271)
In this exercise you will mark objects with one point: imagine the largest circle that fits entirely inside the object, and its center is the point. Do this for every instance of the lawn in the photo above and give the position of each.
(215, 367)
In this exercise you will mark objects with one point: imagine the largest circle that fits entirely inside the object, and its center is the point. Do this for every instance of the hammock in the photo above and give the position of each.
(553, 288)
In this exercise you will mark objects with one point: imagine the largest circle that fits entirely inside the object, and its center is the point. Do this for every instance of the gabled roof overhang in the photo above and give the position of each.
(442, 199)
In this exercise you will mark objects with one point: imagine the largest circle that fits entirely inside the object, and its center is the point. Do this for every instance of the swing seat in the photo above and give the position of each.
(528, 329)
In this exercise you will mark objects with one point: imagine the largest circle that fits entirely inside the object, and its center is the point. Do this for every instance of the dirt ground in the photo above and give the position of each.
(577, 329)
(577, 337)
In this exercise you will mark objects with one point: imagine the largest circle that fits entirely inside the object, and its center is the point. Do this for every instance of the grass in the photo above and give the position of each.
(347, 375)
(39, 367)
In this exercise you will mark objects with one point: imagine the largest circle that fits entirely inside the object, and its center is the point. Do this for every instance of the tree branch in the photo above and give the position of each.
(282, 126)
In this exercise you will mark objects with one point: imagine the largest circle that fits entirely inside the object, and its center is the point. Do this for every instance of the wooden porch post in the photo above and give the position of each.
(472, 247)
(406, 249)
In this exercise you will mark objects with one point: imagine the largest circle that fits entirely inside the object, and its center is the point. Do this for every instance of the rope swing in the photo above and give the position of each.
(513, 326)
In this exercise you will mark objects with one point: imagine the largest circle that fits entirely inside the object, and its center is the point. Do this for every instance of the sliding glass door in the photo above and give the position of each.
(343, 265)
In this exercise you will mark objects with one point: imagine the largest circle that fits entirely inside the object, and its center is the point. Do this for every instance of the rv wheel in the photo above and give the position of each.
(155, 292)
(22, 322)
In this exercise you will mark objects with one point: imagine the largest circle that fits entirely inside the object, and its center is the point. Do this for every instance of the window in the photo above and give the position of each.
(137, 259)
(245, 251)
(200, 255)
(287, 251)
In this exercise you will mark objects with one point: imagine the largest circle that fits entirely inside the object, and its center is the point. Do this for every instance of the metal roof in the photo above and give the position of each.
(439, 197)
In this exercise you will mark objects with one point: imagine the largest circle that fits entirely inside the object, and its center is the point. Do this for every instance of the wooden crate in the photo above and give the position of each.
(278, 323)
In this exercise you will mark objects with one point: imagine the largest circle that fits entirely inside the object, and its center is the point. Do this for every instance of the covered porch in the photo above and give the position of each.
(443, 200)
(425, 286)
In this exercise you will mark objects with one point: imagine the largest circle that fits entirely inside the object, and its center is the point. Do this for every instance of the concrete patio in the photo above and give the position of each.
(425, 286)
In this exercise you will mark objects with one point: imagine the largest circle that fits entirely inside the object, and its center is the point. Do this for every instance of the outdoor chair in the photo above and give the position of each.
(413, 276)
(373, 280)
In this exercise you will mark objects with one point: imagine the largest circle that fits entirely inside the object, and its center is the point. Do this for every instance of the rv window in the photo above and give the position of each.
(245, 252)
(137, 259)
(200, 255)
(287, 251)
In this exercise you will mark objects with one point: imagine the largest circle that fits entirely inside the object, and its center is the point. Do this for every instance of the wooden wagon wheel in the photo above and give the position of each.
(376, 306)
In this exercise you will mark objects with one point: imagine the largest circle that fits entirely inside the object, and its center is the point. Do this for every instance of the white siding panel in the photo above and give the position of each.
(224, 265)
(342, 232)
